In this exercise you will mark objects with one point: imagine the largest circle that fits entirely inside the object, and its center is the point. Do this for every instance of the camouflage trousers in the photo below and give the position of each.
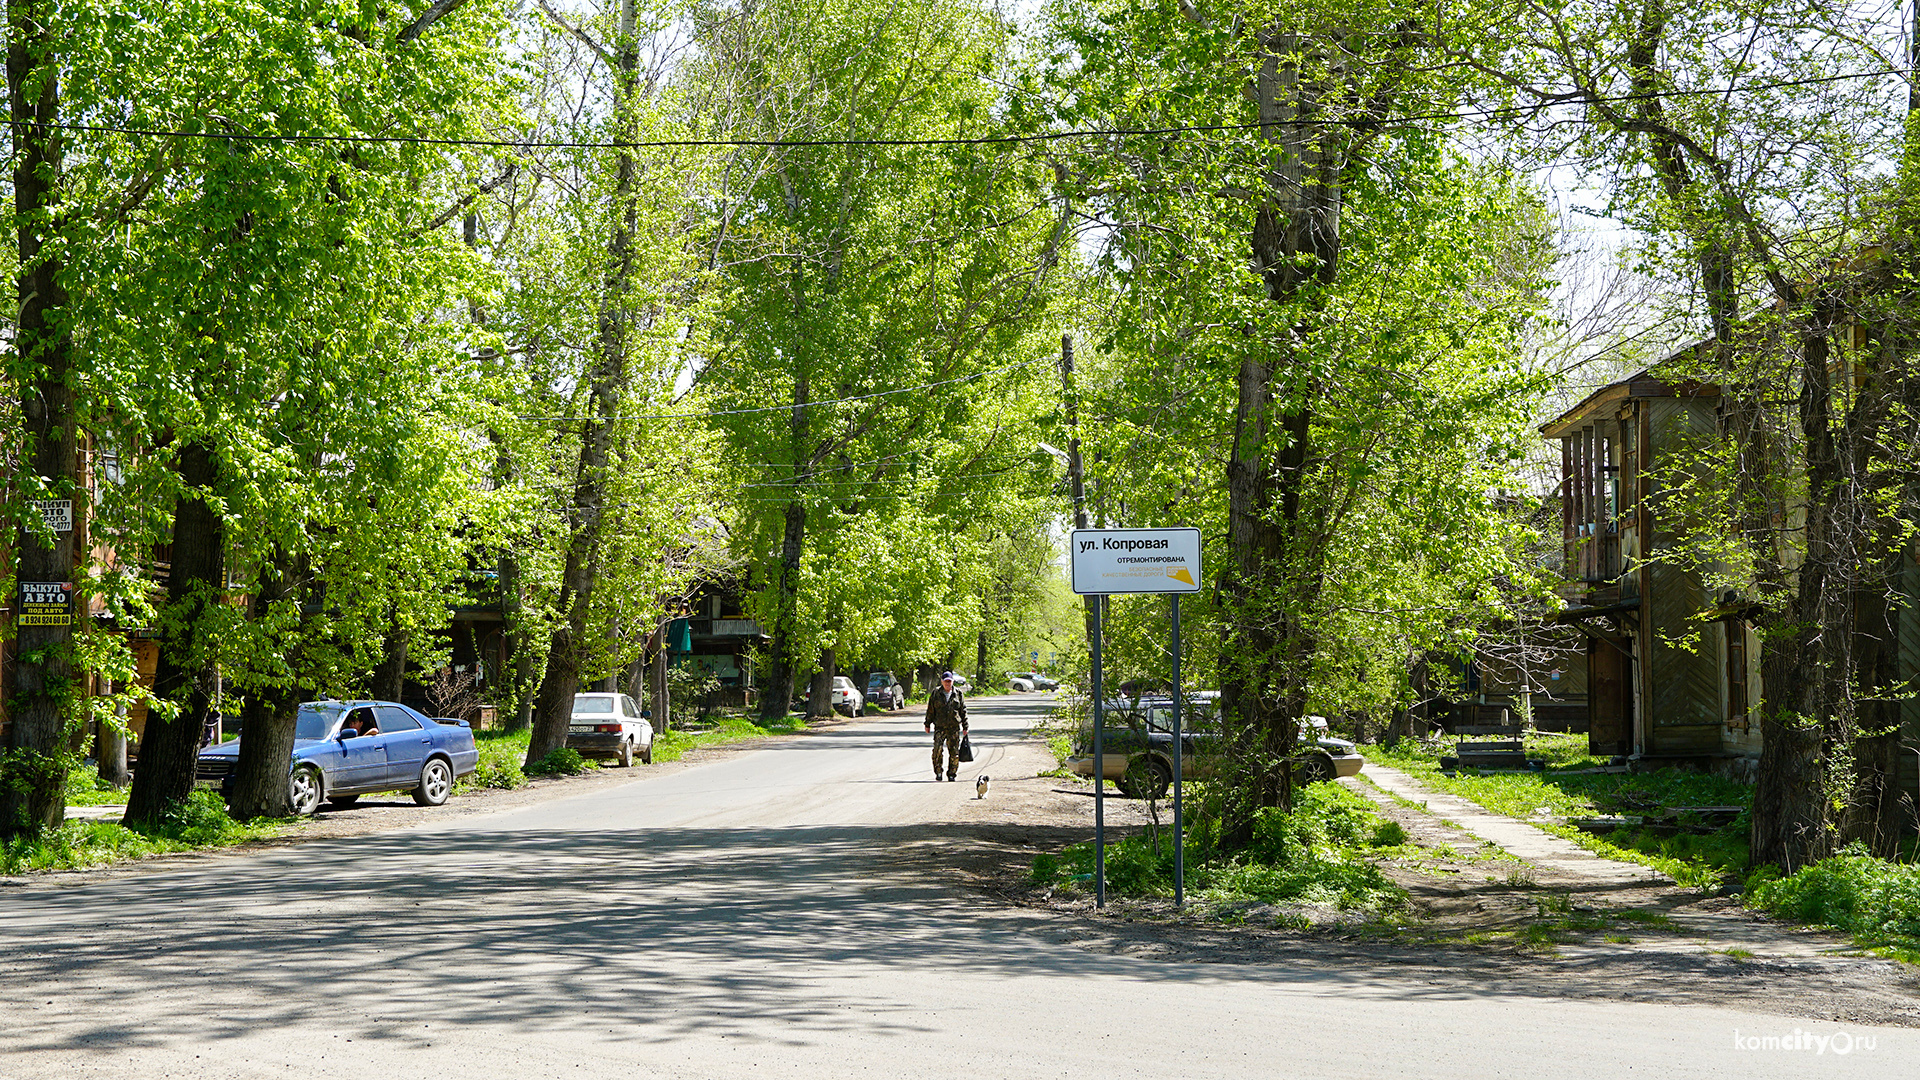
(947, 738)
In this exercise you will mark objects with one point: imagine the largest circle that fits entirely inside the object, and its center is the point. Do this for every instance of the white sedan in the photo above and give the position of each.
(610, 726)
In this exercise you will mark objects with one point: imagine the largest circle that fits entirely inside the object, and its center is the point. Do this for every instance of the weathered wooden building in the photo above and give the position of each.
(1671, 669)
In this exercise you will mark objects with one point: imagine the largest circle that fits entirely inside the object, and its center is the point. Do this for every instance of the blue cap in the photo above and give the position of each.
(946, 676)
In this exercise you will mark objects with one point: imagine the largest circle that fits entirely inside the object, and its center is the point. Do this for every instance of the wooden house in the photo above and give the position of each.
(1671, 670)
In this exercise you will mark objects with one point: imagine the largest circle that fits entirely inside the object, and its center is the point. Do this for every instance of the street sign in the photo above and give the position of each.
(46, 603)
(1109, 561)
(58, 514)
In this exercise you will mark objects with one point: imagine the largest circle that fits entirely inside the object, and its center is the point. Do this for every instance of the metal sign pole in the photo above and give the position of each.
(1099, 766)
(1179, 752)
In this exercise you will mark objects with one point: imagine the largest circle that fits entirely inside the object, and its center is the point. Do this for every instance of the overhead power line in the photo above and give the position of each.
(1502, 112)
(790, 407)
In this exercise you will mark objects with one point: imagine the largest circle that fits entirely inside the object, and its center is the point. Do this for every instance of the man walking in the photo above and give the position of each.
(946, 718)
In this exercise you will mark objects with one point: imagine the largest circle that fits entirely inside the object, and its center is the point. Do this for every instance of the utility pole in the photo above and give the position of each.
(1076, 476)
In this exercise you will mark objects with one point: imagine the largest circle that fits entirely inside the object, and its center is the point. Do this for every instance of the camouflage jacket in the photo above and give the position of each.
(946, 709)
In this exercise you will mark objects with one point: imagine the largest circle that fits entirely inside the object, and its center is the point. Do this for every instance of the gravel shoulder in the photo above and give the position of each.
(1481, 917)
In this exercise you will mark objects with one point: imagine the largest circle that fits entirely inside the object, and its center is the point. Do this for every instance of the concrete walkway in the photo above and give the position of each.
(1514, 836)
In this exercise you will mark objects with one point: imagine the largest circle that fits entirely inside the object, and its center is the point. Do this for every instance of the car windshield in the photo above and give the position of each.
(592, 704)
(314, 721)
(876, 680)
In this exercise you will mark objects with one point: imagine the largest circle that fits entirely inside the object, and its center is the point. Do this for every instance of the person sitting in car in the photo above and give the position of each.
(360, 723)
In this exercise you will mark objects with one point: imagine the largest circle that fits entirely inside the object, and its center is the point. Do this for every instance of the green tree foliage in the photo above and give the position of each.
(859, 272)
(254, 302)
(1314, 344)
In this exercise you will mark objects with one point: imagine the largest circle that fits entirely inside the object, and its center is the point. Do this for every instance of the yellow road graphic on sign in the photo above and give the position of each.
(1179, 573)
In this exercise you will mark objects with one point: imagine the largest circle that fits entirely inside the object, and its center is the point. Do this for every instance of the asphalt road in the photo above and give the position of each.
(743, 918)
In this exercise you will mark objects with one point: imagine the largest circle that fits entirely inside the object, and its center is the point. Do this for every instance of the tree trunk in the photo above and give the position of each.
(776, 695)
(1271, 579)
(390, 675)
(186, 674)
(607, 392)
(260, 774)
(1792, 826)
(662, 701)
(39, 695)
(820, 691)
(517, 710)
(110, 748)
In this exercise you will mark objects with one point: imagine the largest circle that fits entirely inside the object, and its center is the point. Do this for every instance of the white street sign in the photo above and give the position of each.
(1136, 560)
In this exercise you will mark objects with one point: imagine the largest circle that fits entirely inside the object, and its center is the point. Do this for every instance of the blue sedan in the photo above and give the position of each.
(345, 749)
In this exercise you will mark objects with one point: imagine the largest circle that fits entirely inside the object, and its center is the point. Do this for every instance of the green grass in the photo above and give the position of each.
(719, 731)
(1693, 860)
(1874, 901)
(200, 823)
(85, 788)
(1320, 854)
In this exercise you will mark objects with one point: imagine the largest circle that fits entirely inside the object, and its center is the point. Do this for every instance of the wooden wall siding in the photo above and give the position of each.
(1686, 707)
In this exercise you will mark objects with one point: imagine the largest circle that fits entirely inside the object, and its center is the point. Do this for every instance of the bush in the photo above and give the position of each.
(566, 761)
(496, 774)
(1876, 901)
(1314, 855)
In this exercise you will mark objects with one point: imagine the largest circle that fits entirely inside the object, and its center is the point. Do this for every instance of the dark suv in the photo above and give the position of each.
(1137, 752)
(884, 691)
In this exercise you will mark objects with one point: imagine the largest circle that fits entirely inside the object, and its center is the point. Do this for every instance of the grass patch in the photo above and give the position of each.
(719, 731)
(199, 823)
(85, 788)
(1547, 798)
(564, 761)
(1319, 854)
(1874, 901)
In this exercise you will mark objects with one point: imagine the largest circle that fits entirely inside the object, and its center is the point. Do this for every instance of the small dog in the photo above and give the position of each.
(980, 787)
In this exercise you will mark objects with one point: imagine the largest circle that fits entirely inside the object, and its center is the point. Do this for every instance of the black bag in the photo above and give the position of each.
(966, 747)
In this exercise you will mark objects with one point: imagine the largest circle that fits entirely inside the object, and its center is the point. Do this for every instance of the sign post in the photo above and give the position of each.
(1109, 561)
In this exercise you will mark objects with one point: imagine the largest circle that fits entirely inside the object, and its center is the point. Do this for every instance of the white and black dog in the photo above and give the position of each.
(980, 787)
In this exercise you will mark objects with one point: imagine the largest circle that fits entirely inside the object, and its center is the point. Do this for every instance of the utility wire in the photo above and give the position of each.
(790, 407)
(1503, 112)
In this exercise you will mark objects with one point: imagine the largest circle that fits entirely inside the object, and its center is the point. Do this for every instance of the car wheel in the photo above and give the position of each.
(436, 783)
(626, 753)
(341, 802)
(304, 789)
(646, 754)
(1315, 769)
(1146, 778)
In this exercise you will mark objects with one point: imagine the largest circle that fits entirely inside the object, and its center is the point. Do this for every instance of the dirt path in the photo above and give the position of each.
(1553, 919)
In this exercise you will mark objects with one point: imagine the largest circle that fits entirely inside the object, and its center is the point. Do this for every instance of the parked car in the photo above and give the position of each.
(1019, 682)
(1033, 679)
(960, 683)
(607, 725)
(884, 691)
(345, 749)
(1137, 751)
(846, 697)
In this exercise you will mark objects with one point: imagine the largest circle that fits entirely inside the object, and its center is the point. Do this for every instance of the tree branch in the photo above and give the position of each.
(440, 9)
(586, 38)
(450, 212)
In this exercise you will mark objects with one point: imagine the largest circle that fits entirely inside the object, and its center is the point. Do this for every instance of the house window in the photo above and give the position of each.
(1736, 674)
